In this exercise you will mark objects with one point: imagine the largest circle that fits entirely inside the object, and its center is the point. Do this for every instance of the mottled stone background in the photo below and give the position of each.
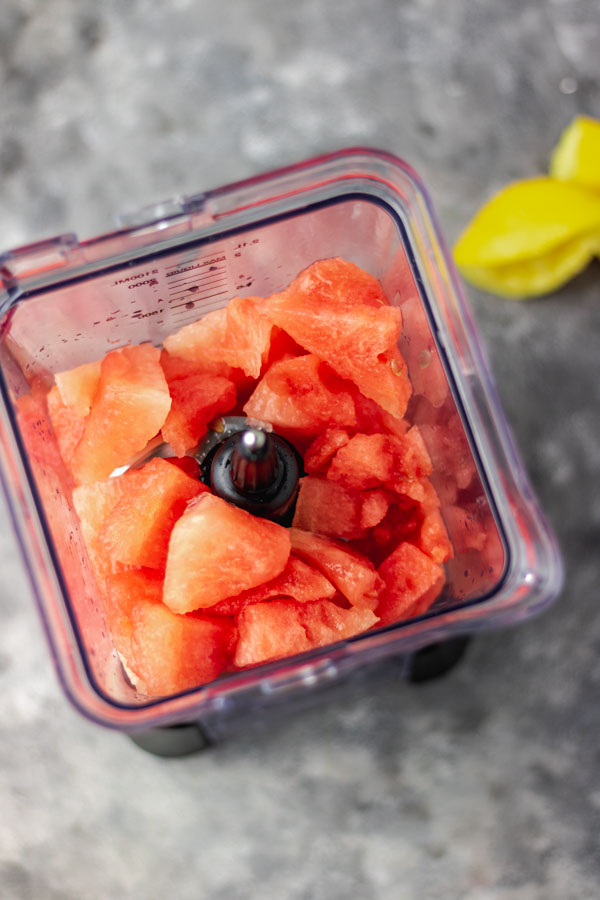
(483, 786)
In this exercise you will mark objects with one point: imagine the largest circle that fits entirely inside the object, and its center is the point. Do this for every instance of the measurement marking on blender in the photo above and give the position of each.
(199, 264)
(194, 288)
(198, 279)
(206, 297)
(214, 270)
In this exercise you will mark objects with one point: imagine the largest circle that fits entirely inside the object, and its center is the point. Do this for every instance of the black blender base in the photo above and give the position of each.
(436, 660)
(183, 740)
(173, 741)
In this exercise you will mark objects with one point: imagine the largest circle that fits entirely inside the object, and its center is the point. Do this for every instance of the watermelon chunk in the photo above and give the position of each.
(282, 628)
(217, 551)
(325, 311)
(237, 335)
(196, 400)
(372, 419)
(67, 423)
(298, 581)
(93, 504)
(449, 450)
(352, 573)
(418, 346)
(408, 574)
(433, 537)
(375, 505)
(130, 408)
(78, 387)
(165, 652)
(366, 461)
(323, 448)
(328, 508)
(137, 530)
(301, 395)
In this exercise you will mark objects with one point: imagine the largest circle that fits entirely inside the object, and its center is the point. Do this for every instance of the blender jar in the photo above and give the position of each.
(65, 303)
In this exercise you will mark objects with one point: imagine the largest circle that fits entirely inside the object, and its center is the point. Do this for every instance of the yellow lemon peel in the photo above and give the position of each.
(576, 157)
(536, 234)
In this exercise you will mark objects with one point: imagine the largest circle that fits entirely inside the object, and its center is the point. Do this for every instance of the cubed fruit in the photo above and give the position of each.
(165, 652)
(408, 574)
(282, 628)
(187, 464)
(298, 581)
(328, 508)
(301, 395)
(372, 419)
(130, 408)
(467, 530)
(40, 439)
(93, 504)
(351, 572)
(402, 522)
(78, 387)
(137, 531)
(339, 313)
(217, 551)
(323, 449)
(418, 346)
(433, 537)
(67, 423)
(449, 451)
(371, 460)
(375, 505)
(366, 461)
(196, 400)
(237, 335)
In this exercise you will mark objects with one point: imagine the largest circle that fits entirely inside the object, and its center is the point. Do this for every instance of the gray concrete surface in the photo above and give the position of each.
(483, 786)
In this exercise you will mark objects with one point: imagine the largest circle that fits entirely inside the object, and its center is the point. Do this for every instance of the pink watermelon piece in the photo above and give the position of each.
(238, 335)
(282, 628)
(217, 551)
(349, 571)
(301, 395)
(408, 574)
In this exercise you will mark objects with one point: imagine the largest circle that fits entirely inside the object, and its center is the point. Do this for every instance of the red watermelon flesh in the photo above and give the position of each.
(418, 346)
(78, 387)
(93, 504)
(433, 537)
(372, 419)
(237, 335)
(282, 628)
(408, 574)
(466, 528)
(338, 312)
(298, 581)
(68, 425)
(449, 450)
(130, 408)
(375, 505)
(187, 464)
(349, 571)
(196, 400)
(301, 395)
(217, 551)
(323, 449)
(165, 652)
(366, 461)
(328, 508)
(137, 530)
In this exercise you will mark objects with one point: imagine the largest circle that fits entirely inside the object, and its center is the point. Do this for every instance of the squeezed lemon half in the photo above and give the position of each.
(536, 234)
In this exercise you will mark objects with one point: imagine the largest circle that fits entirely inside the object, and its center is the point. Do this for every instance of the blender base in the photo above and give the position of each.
(192, 737)
(174, 740)
(436, 660)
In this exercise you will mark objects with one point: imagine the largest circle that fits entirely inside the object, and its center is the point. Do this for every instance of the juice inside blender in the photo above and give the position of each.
(148, 298)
